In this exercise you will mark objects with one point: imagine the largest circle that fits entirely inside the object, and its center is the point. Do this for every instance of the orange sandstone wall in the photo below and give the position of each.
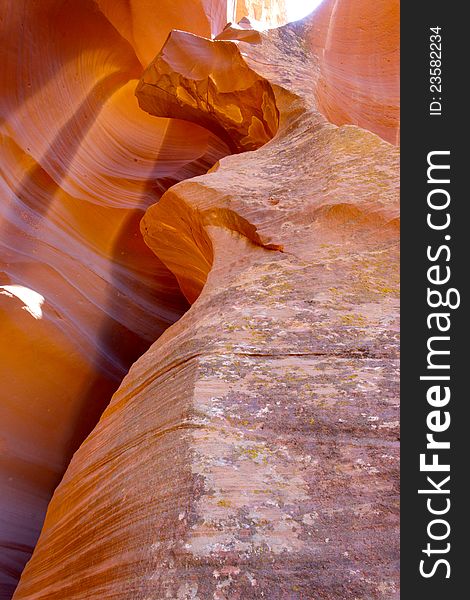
(357, 44)
(80, 162)
(253, 448)
(270, 12)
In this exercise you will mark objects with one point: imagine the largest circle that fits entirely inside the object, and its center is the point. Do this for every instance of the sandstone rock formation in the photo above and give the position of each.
(252, 450)
(210, 84)
(357, 45)
(263, 11)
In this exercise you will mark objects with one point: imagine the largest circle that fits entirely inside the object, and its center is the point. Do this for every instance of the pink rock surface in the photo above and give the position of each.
(252, 451)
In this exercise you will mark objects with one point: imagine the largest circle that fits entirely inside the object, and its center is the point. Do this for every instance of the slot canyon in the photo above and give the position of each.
(199, 300)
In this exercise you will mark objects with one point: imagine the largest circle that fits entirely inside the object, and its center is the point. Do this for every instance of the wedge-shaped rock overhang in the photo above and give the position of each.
(209, 83)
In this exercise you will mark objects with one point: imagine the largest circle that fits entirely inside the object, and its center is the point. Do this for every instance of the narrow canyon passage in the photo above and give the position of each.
(94, 323)
(233, 445)
(70, 236)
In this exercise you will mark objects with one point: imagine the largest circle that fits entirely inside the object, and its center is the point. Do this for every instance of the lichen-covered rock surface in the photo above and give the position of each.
(252, 450)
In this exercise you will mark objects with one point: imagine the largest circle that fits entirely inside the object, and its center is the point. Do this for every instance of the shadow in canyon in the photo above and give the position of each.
(158, 288)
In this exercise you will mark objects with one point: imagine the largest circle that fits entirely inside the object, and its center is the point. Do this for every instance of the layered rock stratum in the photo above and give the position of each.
(216, 206)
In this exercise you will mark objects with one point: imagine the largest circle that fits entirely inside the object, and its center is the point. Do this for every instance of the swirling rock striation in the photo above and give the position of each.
(80, 163)
(252, 451)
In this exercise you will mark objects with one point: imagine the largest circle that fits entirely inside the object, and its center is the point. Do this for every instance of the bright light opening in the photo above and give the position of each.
(32, 300)
(298, 9)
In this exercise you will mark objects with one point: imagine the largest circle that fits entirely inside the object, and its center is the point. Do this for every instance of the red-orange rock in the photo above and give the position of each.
(357, 44)
(347, 58)
(208, 82)
(80, 163)
(264, 11)
(253, 451)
